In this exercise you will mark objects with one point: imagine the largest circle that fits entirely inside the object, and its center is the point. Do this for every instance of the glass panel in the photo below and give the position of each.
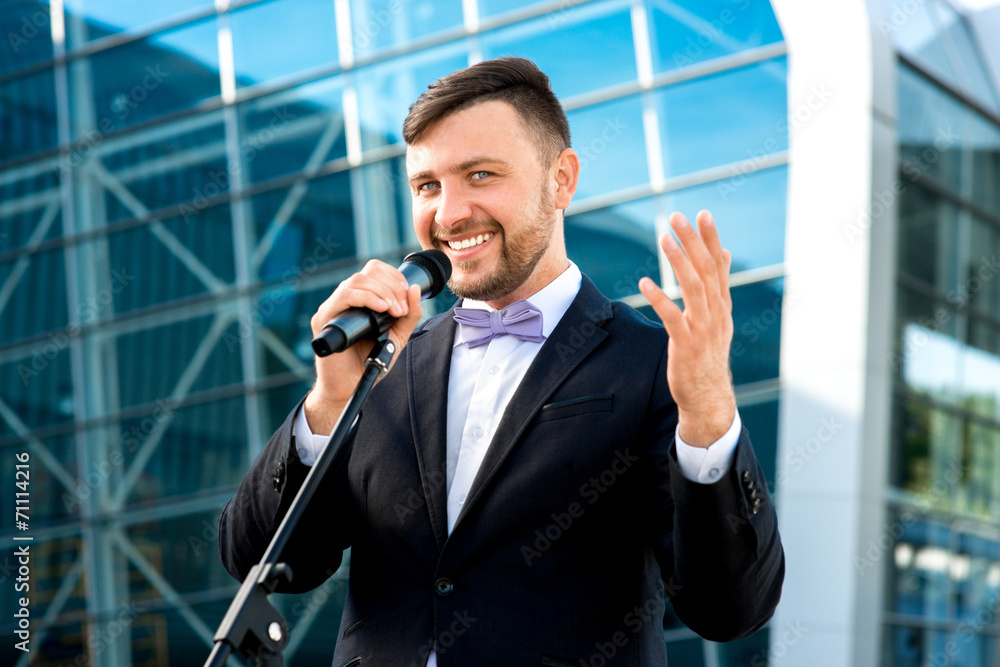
(615, 246)
(26, 28)
(51, 561)
(757, 312)
(753, 651)
(307, 225)
(386, 90)
(684, 33)
(928, 359)
(933, 127)
(387, 206)
(92, 19)
(920, 567)
(138, 81)
(170, 259)
(381, 23)
(929, 463)
(29, 207)
(200, 448)
(686, 652)
(562, 45)
(299, 34)
(928, 238)
(697, 132)
(985, 168)
(201, 355)
(966, 62)
(36, 384)
(761, 420)
(179, 163)
(749, 211)
(610, 142)
(910, 647)
(294, 130)
(980, 463)
(491, 7)
(976, 571)
(27, 115)
(979, 286)
(31, 280)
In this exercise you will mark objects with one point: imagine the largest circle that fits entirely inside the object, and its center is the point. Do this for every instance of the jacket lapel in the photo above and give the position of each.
(428, 367)
(574, 338)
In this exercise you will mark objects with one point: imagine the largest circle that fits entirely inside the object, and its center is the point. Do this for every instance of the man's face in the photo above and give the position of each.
(482, 196)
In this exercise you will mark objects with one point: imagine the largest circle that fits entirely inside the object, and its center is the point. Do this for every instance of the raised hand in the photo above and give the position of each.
(700, 336)
(381, 288)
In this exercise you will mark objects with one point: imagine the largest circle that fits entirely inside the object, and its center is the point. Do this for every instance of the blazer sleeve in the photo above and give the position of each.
(252, 516)
(717, 544)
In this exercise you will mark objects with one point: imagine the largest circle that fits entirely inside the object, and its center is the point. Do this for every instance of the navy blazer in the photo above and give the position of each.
(578, 528)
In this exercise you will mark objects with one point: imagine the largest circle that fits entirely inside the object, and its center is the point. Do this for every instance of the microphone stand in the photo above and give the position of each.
(252, 625)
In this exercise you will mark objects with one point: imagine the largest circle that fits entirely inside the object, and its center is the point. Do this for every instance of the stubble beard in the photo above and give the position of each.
(519, 255)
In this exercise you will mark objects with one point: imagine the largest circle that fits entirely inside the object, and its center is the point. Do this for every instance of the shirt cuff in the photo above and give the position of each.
(307, 444)
(706, 465)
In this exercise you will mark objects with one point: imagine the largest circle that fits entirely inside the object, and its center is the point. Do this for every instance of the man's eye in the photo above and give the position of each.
(424, 187)
(480, 175)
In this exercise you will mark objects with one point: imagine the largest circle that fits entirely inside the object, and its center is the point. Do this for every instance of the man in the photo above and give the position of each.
(532, 498)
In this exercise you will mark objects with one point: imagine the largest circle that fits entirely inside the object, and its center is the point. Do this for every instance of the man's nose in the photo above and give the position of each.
(453, 208)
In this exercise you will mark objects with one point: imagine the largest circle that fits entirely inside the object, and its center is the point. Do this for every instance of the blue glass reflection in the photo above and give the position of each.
(28, 115)
(146, 79)
(283, 37)
(31, 209)
(615, 246)
(684, 33)
(749, 211)
(563, 46)
(26, 34)
(698, 131)
(757, 312)
(610, 142)
(386, 90)
(380, 23)
(492, 7)
(99, 18)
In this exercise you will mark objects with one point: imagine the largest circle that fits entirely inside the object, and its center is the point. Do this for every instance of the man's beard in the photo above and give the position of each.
(519, 255)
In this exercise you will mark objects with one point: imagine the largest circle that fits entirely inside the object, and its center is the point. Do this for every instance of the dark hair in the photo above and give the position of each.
(516, 81)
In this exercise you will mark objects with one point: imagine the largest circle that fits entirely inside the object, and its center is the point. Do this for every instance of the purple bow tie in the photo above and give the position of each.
(520, 319)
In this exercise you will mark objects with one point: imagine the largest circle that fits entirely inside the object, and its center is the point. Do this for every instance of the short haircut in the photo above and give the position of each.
(516, 81)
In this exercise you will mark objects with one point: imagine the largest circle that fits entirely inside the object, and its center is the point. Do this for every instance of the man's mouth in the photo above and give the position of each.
(470, 242)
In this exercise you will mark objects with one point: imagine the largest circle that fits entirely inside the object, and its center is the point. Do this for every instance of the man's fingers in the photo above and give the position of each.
(692, 286)
(668, 311)
(696, 247)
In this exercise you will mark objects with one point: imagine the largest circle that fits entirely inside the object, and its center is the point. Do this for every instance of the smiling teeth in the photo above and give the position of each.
(470, 243)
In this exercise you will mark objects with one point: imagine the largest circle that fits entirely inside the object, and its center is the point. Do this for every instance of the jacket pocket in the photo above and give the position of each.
(576, 406)
(353, 662)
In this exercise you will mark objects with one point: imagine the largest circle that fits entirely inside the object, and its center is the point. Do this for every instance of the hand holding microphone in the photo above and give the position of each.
(376, 300)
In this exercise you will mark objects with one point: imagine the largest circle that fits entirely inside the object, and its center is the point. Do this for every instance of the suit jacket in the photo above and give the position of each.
(578, 527)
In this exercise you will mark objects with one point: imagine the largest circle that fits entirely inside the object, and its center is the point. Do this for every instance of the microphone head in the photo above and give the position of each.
(436, 264)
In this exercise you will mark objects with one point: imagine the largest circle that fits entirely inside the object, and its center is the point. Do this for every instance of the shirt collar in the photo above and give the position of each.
(553, 300)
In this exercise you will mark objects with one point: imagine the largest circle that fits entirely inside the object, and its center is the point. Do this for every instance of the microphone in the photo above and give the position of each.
(430, 269)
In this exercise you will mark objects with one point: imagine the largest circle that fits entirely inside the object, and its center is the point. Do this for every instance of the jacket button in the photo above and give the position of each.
(444, 587)
(746, 476)
(756, 505)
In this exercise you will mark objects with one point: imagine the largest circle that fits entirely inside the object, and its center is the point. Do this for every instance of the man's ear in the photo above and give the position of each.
(567, 171)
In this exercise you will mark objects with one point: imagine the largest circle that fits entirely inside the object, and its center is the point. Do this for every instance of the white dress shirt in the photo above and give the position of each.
(482, 381)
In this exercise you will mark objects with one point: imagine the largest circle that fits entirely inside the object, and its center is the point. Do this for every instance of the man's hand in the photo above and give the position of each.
(381, 288)
(700, 335)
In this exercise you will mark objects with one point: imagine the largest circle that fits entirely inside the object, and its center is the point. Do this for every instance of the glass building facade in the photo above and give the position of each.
(182, 183)
(943, 581)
